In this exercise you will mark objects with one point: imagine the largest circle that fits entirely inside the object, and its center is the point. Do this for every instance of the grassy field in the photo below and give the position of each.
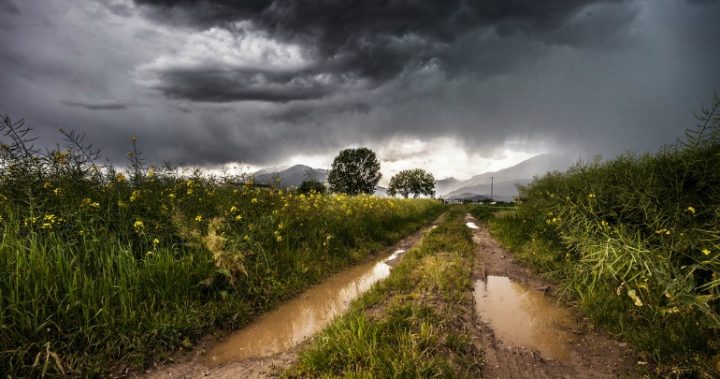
(637, 241)
(99, 266)
(409, 325)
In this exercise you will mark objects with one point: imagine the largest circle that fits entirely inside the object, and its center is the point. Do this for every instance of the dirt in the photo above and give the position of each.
(591, 353)
(195, 364)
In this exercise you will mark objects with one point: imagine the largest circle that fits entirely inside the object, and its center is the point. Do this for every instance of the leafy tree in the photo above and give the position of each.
(416, 182)
(355, 171)
(311, 183)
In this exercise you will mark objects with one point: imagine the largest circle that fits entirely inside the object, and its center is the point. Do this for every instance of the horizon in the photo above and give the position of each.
(456, 88)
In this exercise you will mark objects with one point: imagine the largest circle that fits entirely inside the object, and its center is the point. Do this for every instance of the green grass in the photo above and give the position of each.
(408, 325)
(99, 268)
(636, 241)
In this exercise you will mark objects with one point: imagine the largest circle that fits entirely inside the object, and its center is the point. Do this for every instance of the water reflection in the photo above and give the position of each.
(522, 317)
(291, 323)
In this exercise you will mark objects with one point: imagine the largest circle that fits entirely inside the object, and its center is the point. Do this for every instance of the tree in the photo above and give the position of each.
(311, 183)
(355, 171)
(416, 182)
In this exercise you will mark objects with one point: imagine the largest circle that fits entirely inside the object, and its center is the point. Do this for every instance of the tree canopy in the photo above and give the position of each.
(416, 182)
(355, 171)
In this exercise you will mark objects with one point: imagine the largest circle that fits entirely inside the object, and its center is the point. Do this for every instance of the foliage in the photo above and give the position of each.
(310, 186)
(637, 240)
(416, 182)
(411, 324)
(98, 265)
(355, 171)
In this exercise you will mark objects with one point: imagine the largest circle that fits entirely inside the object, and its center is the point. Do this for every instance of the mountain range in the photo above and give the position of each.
(476, 188)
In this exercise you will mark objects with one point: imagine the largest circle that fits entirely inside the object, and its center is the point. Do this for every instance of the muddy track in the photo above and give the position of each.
(593, 354)
(194, 364)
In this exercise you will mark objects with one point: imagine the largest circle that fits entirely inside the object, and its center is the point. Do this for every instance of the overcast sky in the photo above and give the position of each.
(457, 87)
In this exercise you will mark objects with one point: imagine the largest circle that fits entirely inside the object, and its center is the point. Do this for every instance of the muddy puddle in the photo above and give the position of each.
(293, 322)
(524, 317)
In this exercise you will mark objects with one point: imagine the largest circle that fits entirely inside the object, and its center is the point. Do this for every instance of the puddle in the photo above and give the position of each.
(291, 323)
(471, 225)
(524, 318)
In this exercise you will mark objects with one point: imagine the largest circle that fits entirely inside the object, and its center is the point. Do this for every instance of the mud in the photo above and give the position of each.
(573, 347)
(270, 343)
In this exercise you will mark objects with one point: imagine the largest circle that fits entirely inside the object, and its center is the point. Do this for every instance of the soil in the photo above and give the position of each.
(193, 364)
(593, 354)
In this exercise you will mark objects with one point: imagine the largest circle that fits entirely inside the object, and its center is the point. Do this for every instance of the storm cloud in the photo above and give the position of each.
(312, 49)
(266, 82)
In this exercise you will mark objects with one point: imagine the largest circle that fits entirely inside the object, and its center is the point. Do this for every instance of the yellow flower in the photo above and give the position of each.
(233, 209)
(254, 200)
(706, 251)
(155, 242)
(691, 210)
(120, 177)
(246, 237)
(134, 196)
(171, 196)
(139, 226)
(198, 218)
(150, 172)
(633, 295)
(278, 238)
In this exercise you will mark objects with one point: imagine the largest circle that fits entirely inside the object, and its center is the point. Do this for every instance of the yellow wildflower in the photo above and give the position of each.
(155, 243)
(691, 210)
(134, 196)
(254, 200)
(139, 226)
(171, 196)
(120, 177)
(233, 209)
(706, 251)
(238, 218)
(198, 218)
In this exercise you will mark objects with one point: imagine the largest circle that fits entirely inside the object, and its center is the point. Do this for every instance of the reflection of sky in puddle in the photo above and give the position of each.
(471, 225)
(524, 318)
(291, 323)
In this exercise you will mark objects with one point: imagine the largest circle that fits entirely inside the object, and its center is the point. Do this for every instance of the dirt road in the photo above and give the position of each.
(588, 352)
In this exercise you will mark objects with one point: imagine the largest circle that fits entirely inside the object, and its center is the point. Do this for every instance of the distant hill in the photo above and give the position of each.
(290, 177)
(446, 185)
(505, 180)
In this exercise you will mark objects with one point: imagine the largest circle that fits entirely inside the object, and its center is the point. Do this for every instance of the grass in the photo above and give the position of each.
(409, 325)
(636, 241)
(99, 267)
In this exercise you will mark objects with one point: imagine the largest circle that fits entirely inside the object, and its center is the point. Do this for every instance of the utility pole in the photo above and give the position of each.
(492, 185)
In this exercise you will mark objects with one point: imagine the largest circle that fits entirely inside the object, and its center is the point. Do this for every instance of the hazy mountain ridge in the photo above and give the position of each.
(290, 177)
(506, 180)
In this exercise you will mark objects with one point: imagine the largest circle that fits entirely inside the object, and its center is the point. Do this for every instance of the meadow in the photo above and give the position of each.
(103, 270)
(636, 242)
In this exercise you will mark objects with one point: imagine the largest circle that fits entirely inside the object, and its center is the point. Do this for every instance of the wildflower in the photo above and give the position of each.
(706, 251)
(254, 200)
(49, 220)
(279, 238)
(198, 218)
(121, 204)
(171, 196)
(246, 237)
(139, 226)
(233, 209)
(604, 223)
(155, 243)
(633, 295)
(238, 218)
(691, 210)
(150, 172)
(591, 195)
(120, 177)
(134, 196)
(57, 191)
(189, 191)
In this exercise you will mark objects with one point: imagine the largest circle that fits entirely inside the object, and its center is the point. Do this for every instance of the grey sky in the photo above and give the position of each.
(213, 82)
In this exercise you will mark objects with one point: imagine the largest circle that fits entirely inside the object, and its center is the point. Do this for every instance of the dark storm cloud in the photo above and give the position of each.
(7, 6)
(100, 105)
(370, 41)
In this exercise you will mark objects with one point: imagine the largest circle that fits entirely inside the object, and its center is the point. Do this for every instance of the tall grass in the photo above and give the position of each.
(637, 240)
(99, 266)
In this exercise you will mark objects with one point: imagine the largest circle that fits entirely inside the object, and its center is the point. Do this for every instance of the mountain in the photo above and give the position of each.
(504, 181)
(290, 177)
(447, 185)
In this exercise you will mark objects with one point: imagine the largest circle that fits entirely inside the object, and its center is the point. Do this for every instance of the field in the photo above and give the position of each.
(636, 240)
(101, 266)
